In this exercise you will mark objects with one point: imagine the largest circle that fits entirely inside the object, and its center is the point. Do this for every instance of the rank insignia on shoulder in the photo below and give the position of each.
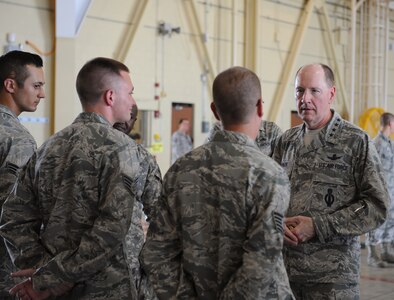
(278, 221)
(128, 183)
(12, 168)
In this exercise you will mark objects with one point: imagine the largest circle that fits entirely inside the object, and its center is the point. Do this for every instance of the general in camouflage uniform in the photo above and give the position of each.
(16, 143)
(72, 208)
(266, 138)
(218, 233)
(384, 235)
(181, 142)
(337, 192)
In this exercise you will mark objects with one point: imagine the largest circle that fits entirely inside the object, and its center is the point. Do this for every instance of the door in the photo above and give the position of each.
(182, 111)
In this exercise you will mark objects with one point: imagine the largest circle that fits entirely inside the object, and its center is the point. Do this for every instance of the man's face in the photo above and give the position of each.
(185, 126)
(392, 127)
(313, 96)
(124, 98)
(28, 97)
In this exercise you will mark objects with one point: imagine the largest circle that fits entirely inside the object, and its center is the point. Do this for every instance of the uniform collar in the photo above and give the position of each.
(7, 110)
(91, 117)
(233, 137)
(384, 137)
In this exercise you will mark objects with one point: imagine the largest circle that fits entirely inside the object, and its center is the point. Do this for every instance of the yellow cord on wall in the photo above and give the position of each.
(38, 51)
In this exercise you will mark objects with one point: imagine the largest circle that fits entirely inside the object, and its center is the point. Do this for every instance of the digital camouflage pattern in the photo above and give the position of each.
(269, 132)
(338, 181)
(326, 291)
(72, 210)
(385, 233)
(218, 233)
(148, 189)
(16, 147)
(181, 144)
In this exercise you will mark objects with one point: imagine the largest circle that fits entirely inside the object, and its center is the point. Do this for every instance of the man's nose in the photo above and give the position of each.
(42, 93)
(305, 97)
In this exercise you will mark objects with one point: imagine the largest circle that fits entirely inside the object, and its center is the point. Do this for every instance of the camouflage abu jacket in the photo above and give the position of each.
(148, 189)
(72, 210)
(16, 147)
(181, 143)
(338, 181)
(385, 148)
(218, 232)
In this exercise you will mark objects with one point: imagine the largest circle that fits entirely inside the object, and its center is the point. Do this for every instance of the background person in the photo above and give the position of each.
(22, 88)
(181, 141)
(148, 189)
(384, 235)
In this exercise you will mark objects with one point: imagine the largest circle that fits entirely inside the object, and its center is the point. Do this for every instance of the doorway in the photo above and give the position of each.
(295, 119)
(182, 111)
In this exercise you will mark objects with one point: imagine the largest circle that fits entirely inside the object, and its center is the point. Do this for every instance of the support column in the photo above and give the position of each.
(288, 70)
(66, 106)
(252, 36)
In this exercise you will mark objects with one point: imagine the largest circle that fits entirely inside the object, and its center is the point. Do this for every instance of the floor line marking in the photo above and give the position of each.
(373, 278)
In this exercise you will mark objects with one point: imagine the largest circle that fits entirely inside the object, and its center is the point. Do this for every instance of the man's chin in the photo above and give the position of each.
(307, 116)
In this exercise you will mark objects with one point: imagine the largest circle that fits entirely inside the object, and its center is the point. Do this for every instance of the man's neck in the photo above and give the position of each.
(10, 104)
(385, 131)
(243, 128)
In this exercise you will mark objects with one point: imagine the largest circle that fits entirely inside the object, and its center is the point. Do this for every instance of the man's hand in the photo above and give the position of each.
(290, 238)
(301, 227)
(24, 290)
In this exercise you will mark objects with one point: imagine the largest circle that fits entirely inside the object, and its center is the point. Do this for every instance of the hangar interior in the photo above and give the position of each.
(175, 48)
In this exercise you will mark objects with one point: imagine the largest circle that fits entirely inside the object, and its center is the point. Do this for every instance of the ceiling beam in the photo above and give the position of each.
(333, 54)
(252, 35)
(288, 69)
(203, 53)
(135, 21)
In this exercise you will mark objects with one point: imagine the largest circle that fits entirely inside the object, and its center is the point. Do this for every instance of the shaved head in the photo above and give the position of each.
(236, 92)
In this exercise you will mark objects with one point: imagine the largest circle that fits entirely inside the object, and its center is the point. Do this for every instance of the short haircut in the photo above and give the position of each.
(328, 73)
(96, 77)
(236, 92)
(386, 118)
(14, 65)
(181, 121)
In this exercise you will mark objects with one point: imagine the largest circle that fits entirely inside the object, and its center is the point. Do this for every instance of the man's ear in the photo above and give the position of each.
(215, 113)
(109, 97)
(332, 94)
(9, 85)
(259, 107)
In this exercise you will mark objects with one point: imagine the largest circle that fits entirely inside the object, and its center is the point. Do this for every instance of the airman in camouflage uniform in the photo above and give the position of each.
(384, 235)
(21, 89)
(148, 189)
(218, 233)
(181, 142)
(72, 208)
(337, 192)
(266, 138)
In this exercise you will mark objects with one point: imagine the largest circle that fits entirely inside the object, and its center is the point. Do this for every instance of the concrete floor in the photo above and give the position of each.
(376, 283)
